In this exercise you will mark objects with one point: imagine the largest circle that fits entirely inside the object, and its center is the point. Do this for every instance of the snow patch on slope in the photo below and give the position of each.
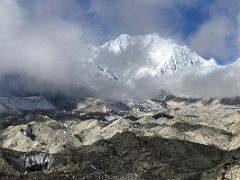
(96, 105)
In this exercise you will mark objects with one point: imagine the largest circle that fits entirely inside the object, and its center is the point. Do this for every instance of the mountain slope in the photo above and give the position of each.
(17, 105)
(128, 58)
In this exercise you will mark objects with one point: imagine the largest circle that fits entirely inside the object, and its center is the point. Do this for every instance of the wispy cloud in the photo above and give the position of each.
(212, 38)
(218, 34)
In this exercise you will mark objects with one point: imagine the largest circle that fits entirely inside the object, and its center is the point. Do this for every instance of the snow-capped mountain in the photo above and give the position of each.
(128, 58)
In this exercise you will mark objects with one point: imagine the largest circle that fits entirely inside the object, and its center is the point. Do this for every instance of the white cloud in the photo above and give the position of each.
(219, 82)
(218, 34)
(212, 37)
(46, 48)
(195, 82)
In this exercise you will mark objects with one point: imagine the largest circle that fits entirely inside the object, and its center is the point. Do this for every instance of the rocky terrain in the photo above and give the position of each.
(173, 138)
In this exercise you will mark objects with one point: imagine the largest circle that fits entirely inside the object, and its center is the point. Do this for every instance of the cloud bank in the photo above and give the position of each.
(40, 49)
(194, 82)
(213, 83)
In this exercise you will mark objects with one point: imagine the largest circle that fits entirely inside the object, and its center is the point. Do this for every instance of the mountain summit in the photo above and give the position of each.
(133, 57)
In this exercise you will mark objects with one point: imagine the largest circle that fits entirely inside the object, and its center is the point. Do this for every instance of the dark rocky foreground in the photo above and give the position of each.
(180, 141)
(127, 156)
